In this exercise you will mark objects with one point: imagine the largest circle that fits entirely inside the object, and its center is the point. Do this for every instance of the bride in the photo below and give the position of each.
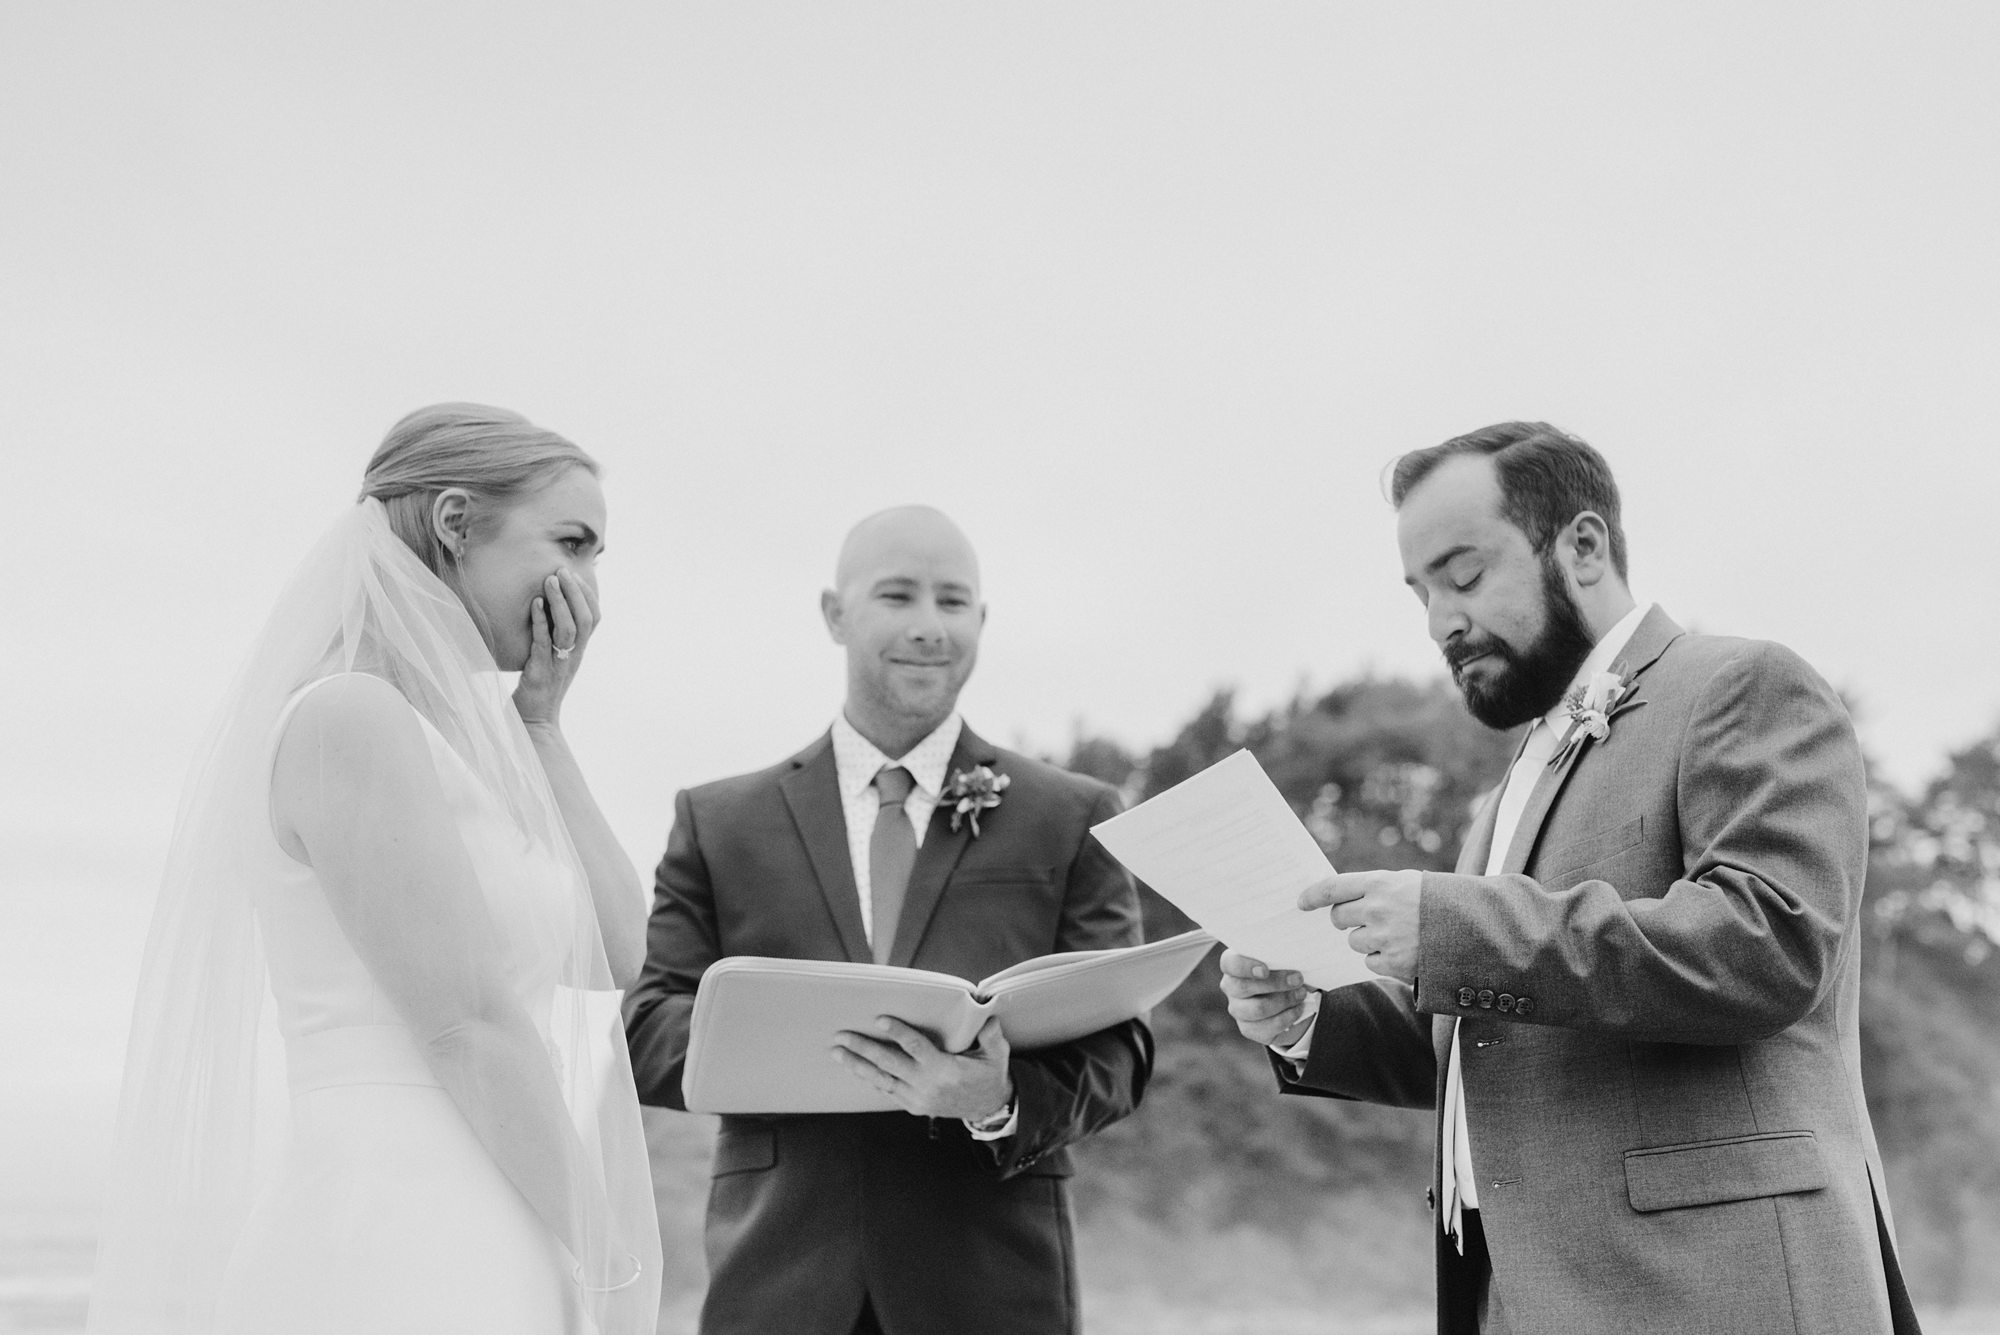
(376, 1081)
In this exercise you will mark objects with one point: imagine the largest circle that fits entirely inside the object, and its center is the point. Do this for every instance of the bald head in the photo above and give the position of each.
(902, 534)
(905, 606)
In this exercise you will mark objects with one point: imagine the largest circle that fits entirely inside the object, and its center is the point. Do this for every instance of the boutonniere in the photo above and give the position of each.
(1591, 707)
(971, 792)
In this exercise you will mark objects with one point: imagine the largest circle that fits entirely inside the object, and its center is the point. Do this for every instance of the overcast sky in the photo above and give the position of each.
(1145, 294)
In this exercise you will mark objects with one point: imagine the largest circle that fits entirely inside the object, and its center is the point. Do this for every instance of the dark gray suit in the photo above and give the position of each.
(809, 1215)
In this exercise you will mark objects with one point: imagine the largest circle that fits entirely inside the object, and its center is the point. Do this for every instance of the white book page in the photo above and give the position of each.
(1077, 961)
(1225, 849)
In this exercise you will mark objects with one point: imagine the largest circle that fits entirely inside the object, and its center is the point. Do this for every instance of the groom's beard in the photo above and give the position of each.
(1531, 681)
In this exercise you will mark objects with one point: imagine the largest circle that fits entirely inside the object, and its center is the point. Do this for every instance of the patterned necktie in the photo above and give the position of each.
(891, 851)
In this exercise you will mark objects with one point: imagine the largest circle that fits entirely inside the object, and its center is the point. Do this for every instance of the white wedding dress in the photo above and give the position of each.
(287, 1161)
(387, 1215)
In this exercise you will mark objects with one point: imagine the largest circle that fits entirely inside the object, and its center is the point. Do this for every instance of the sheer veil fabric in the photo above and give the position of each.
(204, 1112)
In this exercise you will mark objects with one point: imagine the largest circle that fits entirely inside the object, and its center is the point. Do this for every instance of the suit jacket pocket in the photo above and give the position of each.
(1037, 877)
(1709, 1172)
(745, 1150)
(1579, 853)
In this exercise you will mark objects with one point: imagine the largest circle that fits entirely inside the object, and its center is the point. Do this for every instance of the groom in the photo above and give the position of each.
(1634, 1005)
(951, 1217)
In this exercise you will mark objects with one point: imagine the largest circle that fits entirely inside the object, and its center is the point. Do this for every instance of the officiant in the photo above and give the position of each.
(950, 1217)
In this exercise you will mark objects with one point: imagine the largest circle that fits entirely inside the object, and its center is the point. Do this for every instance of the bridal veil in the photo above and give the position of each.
(203, 1116)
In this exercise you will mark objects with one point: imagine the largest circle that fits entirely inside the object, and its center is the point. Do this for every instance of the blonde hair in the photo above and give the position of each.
(496, 455)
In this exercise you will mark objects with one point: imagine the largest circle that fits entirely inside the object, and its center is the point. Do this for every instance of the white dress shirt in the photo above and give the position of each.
(856, 762)
(1537, 748)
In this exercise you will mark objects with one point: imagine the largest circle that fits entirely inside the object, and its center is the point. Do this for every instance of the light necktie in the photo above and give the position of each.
(1461, 1192)
(891, 851)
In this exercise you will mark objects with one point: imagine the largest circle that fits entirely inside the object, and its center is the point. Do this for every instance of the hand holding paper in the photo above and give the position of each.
(1269, 1005)
(1225, 849)
(1378, 911)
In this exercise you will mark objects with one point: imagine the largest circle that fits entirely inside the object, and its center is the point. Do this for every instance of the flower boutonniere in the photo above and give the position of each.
(971, 792)
(1591, 708)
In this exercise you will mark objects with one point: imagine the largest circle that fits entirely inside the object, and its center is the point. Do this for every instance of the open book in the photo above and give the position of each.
(763, 1028)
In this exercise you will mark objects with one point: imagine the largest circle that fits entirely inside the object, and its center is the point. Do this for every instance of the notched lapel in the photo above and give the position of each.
(939, 856)
(1541, 799)
(812, 791)
(1655, 632)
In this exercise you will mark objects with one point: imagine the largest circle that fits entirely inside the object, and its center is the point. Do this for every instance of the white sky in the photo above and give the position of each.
(1145, 294)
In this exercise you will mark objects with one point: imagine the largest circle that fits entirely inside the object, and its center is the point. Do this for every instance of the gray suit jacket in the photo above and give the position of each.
(1659, 1000)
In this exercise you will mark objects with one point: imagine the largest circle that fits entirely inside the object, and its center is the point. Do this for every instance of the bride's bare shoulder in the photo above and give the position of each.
(353, 697)
(353, 754)
(350, 714)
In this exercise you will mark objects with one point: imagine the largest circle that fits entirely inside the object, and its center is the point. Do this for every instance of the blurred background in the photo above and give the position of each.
(1147, 296)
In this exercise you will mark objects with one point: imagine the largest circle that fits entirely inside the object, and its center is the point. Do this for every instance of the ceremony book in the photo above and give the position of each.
(762, 1034)
(1224, 847)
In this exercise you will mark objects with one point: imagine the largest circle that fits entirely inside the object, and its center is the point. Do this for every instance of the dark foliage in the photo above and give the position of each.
(1930, 1021)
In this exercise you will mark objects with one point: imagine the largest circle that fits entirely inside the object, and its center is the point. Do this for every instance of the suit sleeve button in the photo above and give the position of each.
(1504, 1002)
(1486, 998)
(1466, 996)
(1523, 1005)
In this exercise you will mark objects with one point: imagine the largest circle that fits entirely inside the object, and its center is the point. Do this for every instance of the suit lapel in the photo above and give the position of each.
(936, 860)
(812, 791)
(1541, 799)
(1655, 632)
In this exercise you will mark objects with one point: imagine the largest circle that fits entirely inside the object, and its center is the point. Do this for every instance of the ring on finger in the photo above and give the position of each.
(564, 650)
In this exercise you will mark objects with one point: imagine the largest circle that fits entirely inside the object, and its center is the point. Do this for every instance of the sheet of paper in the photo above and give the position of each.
(1226, 850)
